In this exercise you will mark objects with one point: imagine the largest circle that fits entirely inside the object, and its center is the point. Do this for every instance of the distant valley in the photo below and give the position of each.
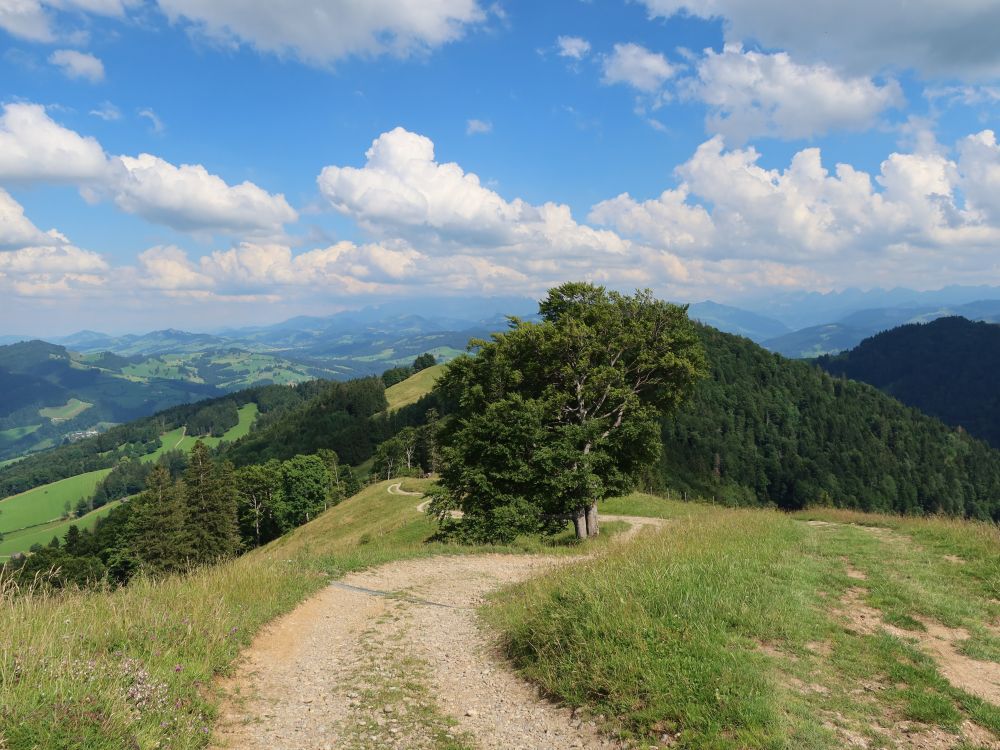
(77, 385)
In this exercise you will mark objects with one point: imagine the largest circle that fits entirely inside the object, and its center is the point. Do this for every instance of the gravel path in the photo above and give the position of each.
(395, 657)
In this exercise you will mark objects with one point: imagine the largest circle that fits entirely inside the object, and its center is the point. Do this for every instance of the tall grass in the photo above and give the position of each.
(721, 631)
(134, 667)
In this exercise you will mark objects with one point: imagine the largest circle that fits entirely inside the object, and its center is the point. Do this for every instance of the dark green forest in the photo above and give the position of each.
(949, 368)
(765, 429)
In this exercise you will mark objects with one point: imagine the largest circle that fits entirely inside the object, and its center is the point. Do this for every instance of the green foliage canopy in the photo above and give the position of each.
(551, 417)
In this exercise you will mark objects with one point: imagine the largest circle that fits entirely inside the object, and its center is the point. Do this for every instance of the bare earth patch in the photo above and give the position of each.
(978, 678)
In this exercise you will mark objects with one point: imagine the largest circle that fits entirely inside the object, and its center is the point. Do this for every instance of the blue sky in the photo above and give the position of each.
(206, 163)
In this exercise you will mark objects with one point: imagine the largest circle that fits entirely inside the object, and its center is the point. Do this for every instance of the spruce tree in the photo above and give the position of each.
(211, 496)
(158, 538)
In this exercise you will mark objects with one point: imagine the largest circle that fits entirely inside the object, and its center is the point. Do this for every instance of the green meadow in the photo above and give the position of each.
(16, 433)
(179, 440)
(743, 629)
(23, 540)
(48, 502)
(72, 408)
(412, 389)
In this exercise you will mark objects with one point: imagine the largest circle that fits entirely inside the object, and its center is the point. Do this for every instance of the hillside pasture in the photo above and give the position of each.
(48, 502)
(179, 440)
(72, 408)
(22, 541)
(184, 631)
(754, 629)
(16, 433)
(412, 389)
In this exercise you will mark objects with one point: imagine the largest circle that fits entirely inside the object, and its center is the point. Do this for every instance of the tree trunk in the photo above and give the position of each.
(593, 529)
(580, 523)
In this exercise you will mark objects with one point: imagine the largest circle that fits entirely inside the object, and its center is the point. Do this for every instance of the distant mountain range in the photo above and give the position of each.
(851, 330)
(53, 391)
(737, 321)
(799, 310)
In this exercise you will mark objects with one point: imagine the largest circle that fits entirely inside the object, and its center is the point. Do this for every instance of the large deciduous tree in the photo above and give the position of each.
(551, 417)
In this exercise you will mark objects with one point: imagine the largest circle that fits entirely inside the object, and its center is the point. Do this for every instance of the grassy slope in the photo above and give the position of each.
(90, 654)
(725, 630)
(21, 541)
(413, 388)
(179, 440)
(47, 502)
(72, 408)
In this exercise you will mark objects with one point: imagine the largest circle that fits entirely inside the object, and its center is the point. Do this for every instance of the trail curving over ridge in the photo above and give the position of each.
(340, 670)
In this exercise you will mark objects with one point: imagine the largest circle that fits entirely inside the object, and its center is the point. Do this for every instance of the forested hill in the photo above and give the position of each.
(143, 436)
(949, 368)
(348, 417)
(763, 428)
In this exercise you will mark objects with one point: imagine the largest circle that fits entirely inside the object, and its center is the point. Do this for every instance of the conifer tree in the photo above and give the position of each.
(158, 538)
(211, 496)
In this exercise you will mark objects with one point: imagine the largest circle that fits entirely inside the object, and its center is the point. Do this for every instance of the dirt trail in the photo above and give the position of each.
(394, 657)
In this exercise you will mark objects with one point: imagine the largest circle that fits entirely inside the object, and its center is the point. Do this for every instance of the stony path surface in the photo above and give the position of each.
(353, 669)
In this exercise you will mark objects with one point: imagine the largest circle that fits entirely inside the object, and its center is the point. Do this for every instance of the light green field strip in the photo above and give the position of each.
(21, 541)
(72, 408)
(168, 441)
(248, 413)
(179, 440)
(48, 502)
(413, 388)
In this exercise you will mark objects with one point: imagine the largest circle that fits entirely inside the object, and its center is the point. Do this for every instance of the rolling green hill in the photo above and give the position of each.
(49, 394)
(765, 429)
(23, 540)
(217, 421)
(33, 516)
(948, 368)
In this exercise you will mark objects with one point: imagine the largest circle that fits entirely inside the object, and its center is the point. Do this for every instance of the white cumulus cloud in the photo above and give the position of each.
(190, 198)
(76, 64)
(323, 31)
(752, 94)
(848, 225)
(36, 149)
(403, 191)
(979, 165)
(634, 65)
(17, 231)
(938, 39)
